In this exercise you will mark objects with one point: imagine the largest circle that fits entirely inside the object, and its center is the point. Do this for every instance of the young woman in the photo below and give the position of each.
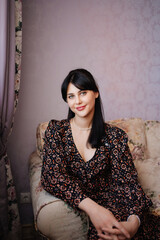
(87, 163)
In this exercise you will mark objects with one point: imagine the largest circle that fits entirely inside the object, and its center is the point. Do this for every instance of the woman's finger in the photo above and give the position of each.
(104, 237)
(122, 229)
(114, 237)
(108, 237)
(120, 237)
(114, 231)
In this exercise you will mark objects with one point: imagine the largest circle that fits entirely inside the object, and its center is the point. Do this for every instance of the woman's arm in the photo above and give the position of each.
(125, 178)
(103, 219)
(54, 177)
(131, 226)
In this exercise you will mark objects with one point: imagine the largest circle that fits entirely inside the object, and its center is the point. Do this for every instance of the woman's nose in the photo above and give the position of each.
(78, 100)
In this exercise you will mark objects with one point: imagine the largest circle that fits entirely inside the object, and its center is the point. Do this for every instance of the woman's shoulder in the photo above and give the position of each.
(114, 131)
(114, 136)
(58, 125)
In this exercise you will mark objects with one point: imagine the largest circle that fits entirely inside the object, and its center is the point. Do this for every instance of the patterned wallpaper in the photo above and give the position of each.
(117, 40)
(126, 49)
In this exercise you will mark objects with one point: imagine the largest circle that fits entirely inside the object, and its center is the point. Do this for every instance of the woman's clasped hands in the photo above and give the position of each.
(106, 224)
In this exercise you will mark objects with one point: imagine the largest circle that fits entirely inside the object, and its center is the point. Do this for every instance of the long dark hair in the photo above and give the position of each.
(84, 80)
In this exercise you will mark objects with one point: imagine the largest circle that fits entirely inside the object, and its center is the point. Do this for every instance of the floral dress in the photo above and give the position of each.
(108, 178)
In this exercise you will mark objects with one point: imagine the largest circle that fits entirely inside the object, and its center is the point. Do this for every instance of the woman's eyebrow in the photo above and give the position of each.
(74, 93)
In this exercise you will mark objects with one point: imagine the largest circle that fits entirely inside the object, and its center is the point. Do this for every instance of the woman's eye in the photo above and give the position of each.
(83, 93)
(70, 96)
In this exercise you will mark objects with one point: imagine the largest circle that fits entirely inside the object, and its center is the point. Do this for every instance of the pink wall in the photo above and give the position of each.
(118, 41)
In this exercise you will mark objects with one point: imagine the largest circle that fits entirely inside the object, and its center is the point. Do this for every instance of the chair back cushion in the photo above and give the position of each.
(40, 133)
(152, 129)
(135, 129)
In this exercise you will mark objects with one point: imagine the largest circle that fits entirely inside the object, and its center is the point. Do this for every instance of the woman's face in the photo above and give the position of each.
(81, 102)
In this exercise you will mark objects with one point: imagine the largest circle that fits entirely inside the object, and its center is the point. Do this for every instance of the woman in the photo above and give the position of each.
(87, 163)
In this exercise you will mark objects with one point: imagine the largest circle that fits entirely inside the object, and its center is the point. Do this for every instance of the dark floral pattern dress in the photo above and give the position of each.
(109, 177)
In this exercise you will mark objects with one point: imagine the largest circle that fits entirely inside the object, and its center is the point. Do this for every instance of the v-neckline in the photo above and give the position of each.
(76, 149)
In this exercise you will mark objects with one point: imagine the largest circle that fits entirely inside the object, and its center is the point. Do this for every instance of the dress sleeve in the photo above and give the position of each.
(54, 177)
(125, 178)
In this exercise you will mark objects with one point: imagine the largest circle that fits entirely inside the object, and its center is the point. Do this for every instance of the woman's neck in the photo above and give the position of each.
(82, 123)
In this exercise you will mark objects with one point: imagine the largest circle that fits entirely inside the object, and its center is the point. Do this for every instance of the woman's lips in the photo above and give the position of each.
(80, 108)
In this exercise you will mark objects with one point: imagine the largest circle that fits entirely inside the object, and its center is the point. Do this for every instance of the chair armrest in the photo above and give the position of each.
(53, 217)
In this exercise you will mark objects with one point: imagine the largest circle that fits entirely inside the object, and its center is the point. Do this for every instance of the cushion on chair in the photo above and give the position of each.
(153, 138)
(40, 132)
(149, 177)
(135, 129)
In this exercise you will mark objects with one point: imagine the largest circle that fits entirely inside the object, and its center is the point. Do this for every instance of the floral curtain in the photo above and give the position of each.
(10, 59)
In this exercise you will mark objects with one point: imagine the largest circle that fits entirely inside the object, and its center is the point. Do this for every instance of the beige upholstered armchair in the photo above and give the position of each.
(56, 220)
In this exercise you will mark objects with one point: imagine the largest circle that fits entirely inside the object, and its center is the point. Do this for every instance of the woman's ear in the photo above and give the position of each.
(96, 94)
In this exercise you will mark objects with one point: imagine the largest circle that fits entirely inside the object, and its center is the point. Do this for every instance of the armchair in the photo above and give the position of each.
(54, 219)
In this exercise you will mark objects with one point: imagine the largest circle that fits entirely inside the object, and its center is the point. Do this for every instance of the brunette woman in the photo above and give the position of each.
(87, 163)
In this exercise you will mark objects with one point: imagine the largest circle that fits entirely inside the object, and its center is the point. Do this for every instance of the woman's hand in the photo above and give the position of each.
(131, 226)
(104, 221)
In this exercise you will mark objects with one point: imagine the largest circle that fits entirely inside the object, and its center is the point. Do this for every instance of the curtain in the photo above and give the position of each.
(10, 71)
